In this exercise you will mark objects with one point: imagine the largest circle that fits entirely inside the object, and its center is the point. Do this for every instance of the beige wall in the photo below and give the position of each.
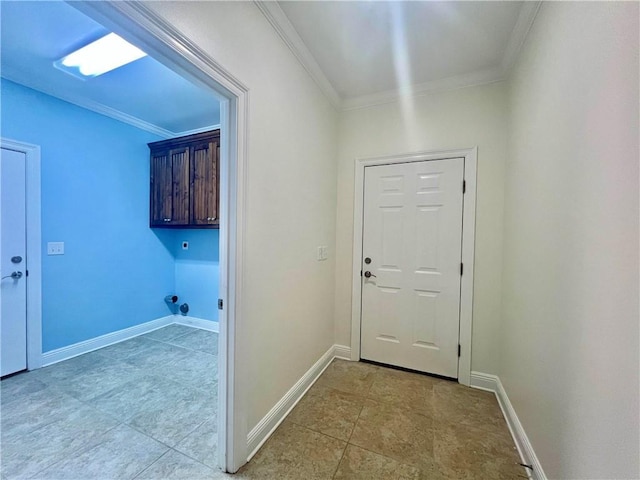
(288, 322)
(570, 316)
(463, 118)
(569, 334)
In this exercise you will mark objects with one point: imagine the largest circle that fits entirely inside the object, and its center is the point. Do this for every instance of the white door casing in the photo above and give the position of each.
(30, 156)
(412, 231)
(467, 245)
(13, 287)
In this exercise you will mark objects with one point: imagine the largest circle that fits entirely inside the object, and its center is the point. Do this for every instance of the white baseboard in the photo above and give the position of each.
(65, 353)
(492, 383)
(342, 351)
(265, 427)
(197, 322)
(484, 381)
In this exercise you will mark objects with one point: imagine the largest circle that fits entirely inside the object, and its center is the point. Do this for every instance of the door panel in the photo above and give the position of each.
(204, 195)
(13, 291)
(161, 187)
(412, 231)
(180, 194)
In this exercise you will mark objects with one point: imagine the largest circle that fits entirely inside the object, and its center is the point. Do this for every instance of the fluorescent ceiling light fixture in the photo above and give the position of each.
(101, 56)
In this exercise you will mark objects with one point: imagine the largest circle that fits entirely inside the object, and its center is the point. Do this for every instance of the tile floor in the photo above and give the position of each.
(361, 421)
(145, 409)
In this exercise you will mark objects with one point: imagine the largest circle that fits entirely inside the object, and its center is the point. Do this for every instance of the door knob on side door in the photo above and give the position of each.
(14, 275)
(368, 274)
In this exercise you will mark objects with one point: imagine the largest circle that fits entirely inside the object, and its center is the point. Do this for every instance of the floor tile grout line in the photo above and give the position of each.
(316, 431)
(348, 442)
(80, 451)
(195, 459)
(194, 329)
(150, 465)
(168, 342)
(190, 432)
(401, 462)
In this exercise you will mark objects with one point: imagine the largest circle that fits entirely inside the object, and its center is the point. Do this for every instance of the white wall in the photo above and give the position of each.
(288, 314)
(454, 119)
(570, 315)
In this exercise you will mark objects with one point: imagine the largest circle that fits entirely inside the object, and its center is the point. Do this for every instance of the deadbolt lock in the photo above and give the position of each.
(16, 259)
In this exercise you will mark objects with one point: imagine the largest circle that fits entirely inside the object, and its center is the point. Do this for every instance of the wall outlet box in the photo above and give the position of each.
(55, 248)
(185, 245)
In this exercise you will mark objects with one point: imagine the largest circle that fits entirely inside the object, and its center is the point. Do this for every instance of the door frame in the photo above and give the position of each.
(147, 30)
(34, 251)
(470, 156)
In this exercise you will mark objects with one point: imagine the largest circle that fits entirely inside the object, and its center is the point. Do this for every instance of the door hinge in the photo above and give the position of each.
(464, 186)
(26, 273)
(360, 272)
(220, 304)
(459, 350)
(461, 268)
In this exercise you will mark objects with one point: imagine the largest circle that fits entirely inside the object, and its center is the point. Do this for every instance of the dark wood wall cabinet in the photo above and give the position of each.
(185, 174)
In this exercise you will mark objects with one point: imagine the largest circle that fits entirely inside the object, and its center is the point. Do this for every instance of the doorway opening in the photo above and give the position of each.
(140, 27)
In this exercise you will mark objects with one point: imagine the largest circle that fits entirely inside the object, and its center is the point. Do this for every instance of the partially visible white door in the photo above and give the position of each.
(13, 291)
(412, 235)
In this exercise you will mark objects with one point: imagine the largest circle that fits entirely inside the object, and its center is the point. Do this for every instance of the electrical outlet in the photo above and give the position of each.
(55, 248)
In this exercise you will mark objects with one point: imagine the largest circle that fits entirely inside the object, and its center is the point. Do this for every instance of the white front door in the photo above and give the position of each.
(411, 265)
(13, 291)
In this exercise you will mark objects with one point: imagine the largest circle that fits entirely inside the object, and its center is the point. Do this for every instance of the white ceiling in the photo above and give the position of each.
(144, 93)
(359, 53)
(369, 51)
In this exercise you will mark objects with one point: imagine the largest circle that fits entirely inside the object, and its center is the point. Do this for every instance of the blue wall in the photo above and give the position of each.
(95, 198)
(197, 272)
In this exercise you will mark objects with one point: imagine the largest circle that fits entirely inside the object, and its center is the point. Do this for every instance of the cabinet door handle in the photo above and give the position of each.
(167, 219)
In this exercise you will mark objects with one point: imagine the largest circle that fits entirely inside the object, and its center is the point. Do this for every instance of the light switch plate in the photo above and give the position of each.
(55, 248)
(323, 253)
(185, 245)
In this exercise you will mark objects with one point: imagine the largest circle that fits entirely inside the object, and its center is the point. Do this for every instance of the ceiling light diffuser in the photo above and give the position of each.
(102, 56)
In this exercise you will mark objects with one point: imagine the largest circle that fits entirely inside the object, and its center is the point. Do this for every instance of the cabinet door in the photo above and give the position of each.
(180, 190)
(161, 188)
(204, 184)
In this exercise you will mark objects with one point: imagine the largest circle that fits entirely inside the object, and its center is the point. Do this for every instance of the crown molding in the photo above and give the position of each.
(480, 77)
(97, 107)
(208, 128)
(85, 103)
(287, 32)
(527, 15)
